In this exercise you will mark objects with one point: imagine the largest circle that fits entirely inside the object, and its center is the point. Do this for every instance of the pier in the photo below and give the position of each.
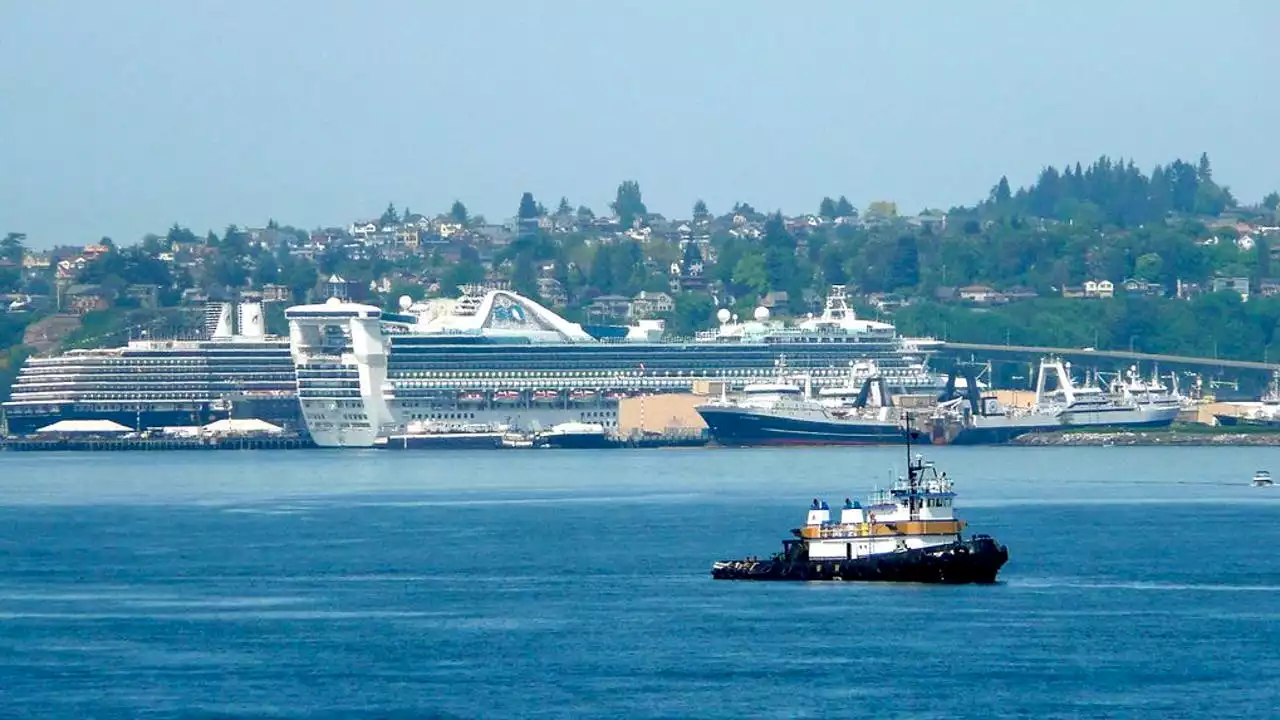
(114, 444)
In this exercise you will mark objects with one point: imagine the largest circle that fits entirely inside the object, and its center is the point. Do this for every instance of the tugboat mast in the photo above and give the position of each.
(913, 477)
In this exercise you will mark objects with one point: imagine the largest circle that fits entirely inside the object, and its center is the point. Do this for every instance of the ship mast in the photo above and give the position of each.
(906, 420)
(913, 480)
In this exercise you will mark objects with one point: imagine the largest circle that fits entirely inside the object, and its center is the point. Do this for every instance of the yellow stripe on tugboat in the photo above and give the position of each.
(880, 529)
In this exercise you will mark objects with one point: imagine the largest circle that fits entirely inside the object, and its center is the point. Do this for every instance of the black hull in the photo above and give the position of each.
(732, 426)
(585, 441)
(976, 560)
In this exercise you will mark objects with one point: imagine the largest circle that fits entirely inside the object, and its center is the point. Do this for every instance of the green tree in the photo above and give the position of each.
(904, 268)
(468, 271)
(827, 209)
(692, 312)
(12, 247)
(585, 215)
(458, 213)
(267, 271)
(601, 274)
(700, 212)
(779, 254)
(1001, 195)
(564, 210)
(844, 208)
(628, 204)
(300, 277)
(751, 275)
(389, 216)
(524, 276)
(1271, 201)
(528, 207)
(179, 234)
(1148, 267)
(1204, 173)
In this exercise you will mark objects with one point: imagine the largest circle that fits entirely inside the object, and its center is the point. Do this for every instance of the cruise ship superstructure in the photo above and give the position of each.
(495, 357)
(153, 383)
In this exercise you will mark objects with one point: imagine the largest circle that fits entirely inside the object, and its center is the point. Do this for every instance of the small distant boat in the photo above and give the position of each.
(1262, 478)
(575, 435)
(516, 440)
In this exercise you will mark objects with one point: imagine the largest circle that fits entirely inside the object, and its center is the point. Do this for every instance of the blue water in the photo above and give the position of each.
(1142, 583)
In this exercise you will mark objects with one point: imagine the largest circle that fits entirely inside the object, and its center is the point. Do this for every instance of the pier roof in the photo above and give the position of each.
(84, 426)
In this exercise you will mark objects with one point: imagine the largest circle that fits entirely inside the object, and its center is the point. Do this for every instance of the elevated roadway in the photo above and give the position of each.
(1010, 351)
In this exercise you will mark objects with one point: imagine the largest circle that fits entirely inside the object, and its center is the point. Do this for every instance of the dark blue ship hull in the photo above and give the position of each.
(733, 426)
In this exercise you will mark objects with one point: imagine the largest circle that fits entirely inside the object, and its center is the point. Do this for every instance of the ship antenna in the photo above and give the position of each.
(906, 419)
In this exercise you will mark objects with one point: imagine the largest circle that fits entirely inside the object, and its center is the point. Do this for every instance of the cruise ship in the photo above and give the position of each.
(493, 356)
(151, 383)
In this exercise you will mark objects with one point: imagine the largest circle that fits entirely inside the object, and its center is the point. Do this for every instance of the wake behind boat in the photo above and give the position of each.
(906, 534)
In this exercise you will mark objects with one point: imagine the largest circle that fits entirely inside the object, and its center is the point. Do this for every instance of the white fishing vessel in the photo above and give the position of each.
(973, 418)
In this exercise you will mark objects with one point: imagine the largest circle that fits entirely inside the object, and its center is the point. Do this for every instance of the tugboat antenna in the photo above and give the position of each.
(906, 418)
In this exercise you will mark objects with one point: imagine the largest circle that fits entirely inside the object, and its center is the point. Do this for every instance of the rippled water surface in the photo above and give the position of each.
(1142, 583)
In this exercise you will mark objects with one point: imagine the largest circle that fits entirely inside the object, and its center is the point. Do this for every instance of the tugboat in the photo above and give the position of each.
(906, 534)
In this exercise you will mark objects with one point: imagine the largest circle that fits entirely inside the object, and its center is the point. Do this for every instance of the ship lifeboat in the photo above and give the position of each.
(507, 396)
(471, 397)
(546, 396)
(582, 395)
(616, 394)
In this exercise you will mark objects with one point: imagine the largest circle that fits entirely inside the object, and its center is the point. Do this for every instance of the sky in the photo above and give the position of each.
(120, 118)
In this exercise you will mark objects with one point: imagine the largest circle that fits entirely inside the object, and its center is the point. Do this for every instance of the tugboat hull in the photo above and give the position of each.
(975, 560)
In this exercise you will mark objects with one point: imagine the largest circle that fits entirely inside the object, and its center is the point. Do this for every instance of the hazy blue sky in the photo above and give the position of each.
(118, 118)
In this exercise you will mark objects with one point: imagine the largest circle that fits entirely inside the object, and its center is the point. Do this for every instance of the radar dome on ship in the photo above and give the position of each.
(405, 302)
(724, 315)
(761, 314)
(333, 301)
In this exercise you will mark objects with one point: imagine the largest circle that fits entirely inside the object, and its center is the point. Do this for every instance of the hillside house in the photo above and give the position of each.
(1238, 285)
(613, 307)
(81, 299)
(651, 304)
(980, 294)
(1099, 289)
